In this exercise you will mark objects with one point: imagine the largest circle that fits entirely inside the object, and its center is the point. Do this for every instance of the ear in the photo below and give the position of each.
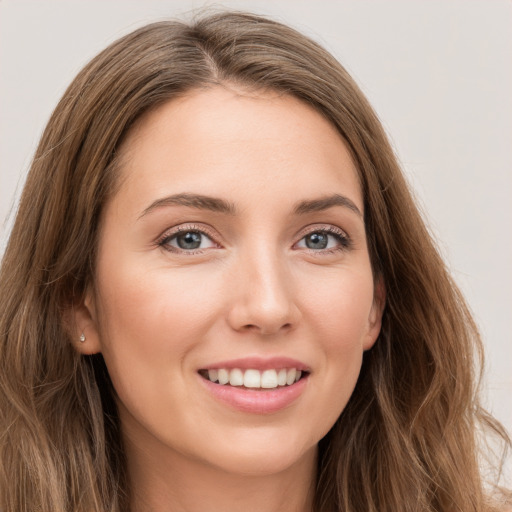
(376, 312)
(82, 322)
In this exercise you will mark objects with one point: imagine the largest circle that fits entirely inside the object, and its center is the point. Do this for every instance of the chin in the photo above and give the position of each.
(257, 455)
(264, 463)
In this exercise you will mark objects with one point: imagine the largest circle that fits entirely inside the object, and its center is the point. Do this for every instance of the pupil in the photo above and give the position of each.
(189, 240)
(316, 241)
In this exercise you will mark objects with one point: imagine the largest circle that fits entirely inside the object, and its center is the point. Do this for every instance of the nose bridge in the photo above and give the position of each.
(264, 299)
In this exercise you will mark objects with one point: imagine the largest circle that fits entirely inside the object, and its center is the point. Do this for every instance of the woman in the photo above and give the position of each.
(219, 294)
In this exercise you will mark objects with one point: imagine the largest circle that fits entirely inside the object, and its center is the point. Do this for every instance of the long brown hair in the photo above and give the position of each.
(407, 439)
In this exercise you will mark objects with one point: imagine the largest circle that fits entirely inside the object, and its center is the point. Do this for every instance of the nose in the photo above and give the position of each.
(263, 296)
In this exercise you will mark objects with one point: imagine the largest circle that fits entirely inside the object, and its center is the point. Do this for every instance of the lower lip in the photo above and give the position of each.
(256, 401)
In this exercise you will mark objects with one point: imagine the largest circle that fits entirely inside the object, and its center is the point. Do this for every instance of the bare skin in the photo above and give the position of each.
(237, 232)
(196, 487)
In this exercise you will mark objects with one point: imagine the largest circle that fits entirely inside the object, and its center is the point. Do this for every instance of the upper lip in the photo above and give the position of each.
(258, 363)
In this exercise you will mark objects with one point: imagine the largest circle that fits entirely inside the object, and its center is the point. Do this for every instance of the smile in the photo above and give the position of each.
(252, 378)
(256, 385)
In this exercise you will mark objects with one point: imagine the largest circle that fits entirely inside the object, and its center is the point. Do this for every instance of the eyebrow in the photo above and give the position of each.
(194, 201)
(214, 204)
(324, 203)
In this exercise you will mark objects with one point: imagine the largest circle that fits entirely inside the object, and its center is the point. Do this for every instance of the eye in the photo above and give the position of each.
(324, 240)
(187, 240)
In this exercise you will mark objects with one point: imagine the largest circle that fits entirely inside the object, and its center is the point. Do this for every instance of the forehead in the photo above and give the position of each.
(221, 141)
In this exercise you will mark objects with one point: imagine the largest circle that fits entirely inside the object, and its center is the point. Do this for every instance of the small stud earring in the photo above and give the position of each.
(82, 338)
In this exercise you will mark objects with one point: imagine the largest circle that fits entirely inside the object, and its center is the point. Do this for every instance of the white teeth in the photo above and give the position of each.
(290, 376)
(281, 377)
(223, 376)
(267, 379)
(236, 377)
(252, 379)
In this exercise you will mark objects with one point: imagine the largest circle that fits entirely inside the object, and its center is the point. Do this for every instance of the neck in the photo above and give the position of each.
(172, 482)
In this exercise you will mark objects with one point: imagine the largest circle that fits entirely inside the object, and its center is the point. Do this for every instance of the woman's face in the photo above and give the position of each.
(234, 249)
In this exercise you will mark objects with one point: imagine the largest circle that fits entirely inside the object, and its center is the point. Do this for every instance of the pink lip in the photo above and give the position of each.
(256, 401)
(258, 363)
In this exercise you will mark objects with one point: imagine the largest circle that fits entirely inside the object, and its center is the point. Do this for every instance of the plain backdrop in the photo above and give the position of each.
(439, 74)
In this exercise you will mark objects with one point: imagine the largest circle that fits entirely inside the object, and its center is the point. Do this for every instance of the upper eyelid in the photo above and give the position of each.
(184, 227)
(344, 239)
(318, 227)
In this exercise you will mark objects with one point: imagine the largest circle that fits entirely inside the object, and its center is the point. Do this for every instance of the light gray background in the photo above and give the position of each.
(439, 74)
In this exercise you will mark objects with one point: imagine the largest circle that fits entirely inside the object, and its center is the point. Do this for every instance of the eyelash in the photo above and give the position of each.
(164, 240)
(343, 239)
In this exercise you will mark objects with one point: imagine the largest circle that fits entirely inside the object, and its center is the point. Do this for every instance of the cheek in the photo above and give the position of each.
(153, 305)
(339, 305)
(149, 321)
(339, 312)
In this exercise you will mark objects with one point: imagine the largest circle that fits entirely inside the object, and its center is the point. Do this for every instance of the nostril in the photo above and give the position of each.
(267, 329)
(250, 327)
(251, 316)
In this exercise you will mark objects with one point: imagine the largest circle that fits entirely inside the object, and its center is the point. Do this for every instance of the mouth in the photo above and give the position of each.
(268, 379)
(256, 385)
